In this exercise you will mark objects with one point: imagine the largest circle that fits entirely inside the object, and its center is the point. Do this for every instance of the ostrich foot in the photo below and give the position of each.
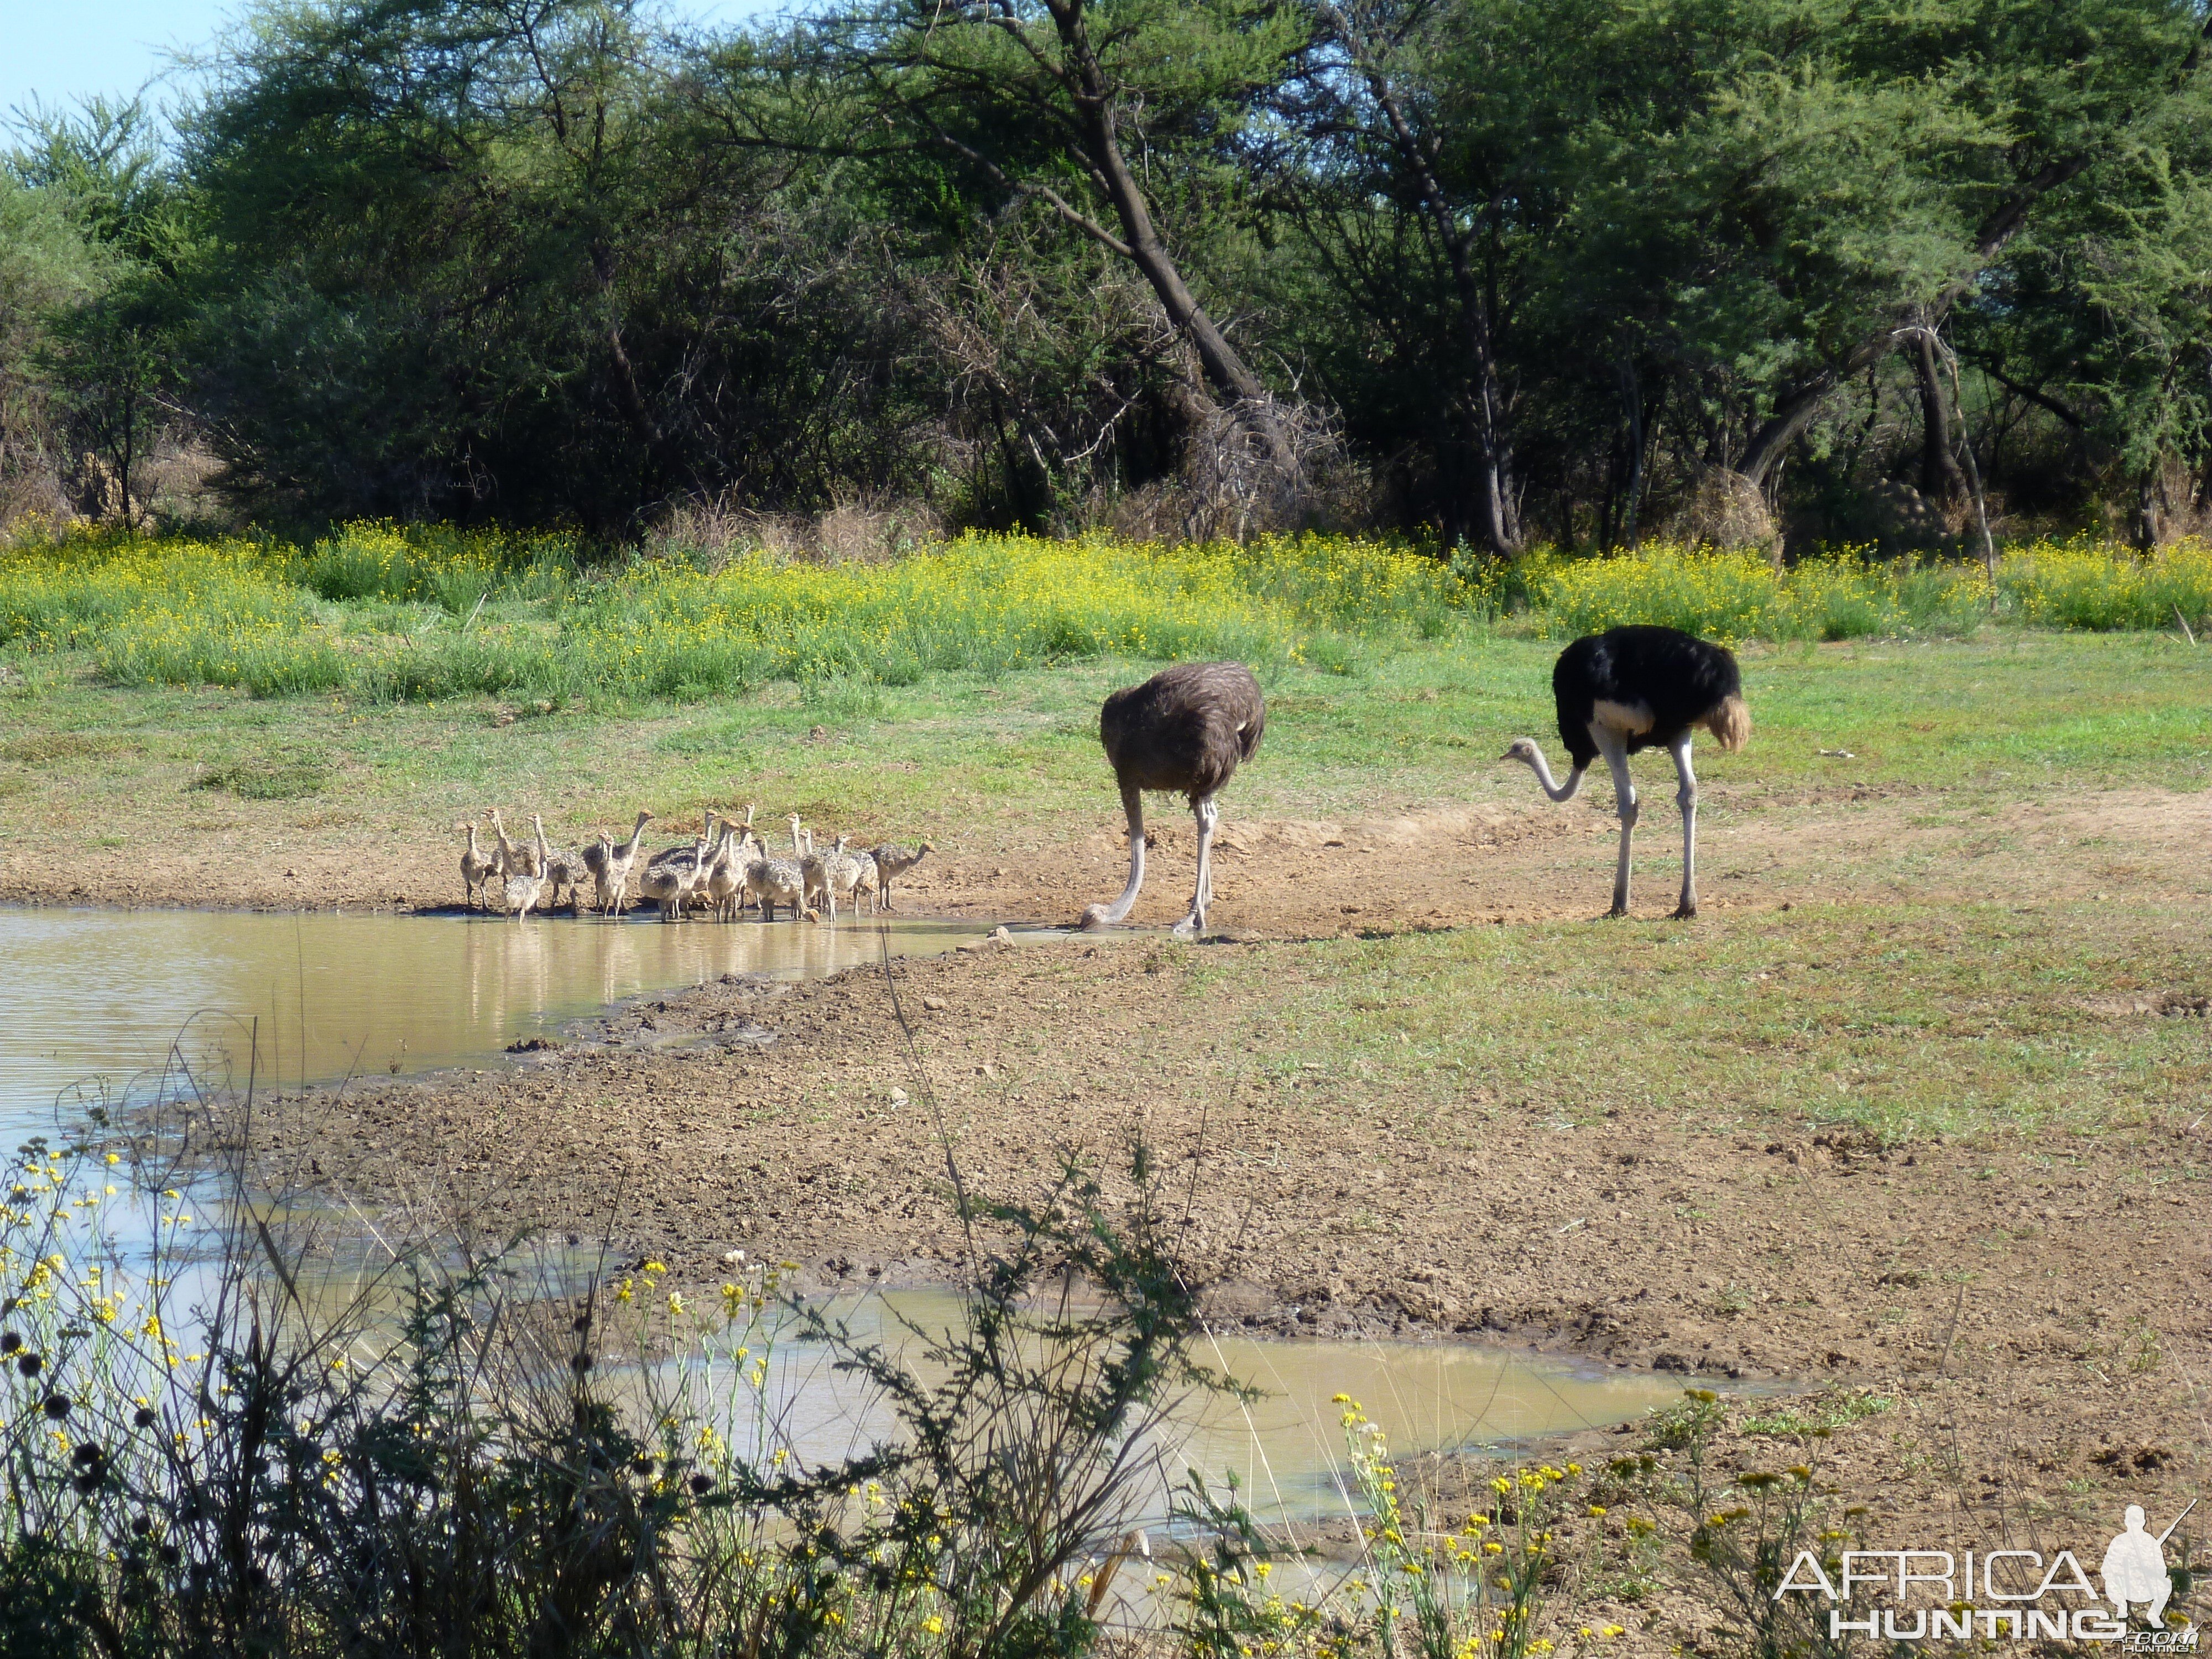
(1619, 913)
(1187, 928)
(1685, 911)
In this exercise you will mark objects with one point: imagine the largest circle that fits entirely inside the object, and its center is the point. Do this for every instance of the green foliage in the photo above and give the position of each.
(1742, 1532)
(265, 779)
(247, 614)
(426, 614)
(471, 1462)
(2074, 586)
(1541, 268)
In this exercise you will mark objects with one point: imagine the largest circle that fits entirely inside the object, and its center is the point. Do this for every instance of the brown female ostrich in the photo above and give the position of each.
(1183, 731)
(1641, 687)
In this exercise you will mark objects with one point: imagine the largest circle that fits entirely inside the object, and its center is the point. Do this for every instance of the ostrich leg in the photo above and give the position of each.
(1686, 798)
(1208, 815)
(1132, 804)
(1616, 751)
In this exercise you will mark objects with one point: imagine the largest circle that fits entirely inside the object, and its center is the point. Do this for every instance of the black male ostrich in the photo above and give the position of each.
(1641, 687)
(1185, 730)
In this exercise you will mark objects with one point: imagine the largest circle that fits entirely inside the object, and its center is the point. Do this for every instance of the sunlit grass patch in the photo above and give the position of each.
(266, 780)
(1847, 594)
(1905, 1021)
(420, 614)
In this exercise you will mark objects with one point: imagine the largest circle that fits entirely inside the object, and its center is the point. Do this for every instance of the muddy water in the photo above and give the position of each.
(102, 1000)
(1286, 1451)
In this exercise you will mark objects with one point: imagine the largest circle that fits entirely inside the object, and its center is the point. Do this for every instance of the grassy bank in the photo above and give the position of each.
(420, 616)
(2011, 712)
(1993, 1023)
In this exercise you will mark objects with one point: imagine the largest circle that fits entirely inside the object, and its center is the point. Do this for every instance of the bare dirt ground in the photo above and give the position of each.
(2066, 1382)
(2040, 1333)
(1498, 861)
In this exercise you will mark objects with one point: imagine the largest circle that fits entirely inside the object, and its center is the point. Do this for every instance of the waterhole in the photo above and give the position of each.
(105, 1004)
(1285, 1449)
(101, 1001)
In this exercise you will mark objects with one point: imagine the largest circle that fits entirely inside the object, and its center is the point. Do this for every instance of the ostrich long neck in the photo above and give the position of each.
(1543, 771)
(636, 834)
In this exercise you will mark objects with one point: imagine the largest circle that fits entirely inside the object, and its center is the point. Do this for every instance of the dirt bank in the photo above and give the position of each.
(1507, 860)
(2039, 1327)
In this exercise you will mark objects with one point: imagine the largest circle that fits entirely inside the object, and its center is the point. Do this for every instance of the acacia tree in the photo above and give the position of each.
(1391, 114)
(2066, 86)
(1078, 105)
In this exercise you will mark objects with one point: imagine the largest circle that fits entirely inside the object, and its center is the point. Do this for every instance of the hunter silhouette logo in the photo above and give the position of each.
(2135, 1568)
(2008, 1594)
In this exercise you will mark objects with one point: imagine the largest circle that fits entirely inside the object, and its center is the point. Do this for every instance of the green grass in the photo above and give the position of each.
(2008, 714)
(1906, 1021)
(430, 614)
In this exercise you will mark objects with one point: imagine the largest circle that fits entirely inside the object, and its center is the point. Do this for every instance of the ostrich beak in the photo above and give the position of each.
(1509, 754)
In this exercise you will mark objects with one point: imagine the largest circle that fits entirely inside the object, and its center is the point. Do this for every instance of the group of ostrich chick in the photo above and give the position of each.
(726, 867)
(1183, 731)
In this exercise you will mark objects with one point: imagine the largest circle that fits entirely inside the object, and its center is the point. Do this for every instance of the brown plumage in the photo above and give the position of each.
(1185, 731)
(893, 862)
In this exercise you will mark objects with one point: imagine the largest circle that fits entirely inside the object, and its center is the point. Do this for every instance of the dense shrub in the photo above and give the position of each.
(421, 614)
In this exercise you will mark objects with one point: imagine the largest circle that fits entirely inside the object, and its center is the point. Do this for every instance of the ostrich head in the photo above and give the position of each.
(1522, 749)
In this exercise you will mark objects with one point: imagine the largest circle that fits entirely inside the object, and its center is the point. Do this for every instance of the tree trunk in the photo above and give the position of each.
(1632, 397)
(1225, 370)
(1940, 480)
(1795, 410)
(1498, 505)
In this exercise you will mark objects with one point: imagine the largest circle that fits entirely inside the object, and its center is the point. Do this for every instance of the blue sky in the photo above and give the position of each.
(64, 50)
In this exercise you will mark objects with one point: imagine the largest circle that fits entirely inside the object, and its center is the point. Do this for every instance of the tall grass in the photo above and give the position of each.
(1738, 596)
(421, 614)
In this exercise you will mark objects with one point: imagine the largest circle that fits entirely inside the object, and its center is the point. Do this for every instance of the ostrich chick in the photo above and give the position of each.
(843, 873)
(772, 881)
(1641, 687)
(725, 884)
(1184, 731)
(669, 881)
(891, 863)
(610, 862)
(477, 867)
(810, 867)
(562, 868)
(513, 857)
(526, 885)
